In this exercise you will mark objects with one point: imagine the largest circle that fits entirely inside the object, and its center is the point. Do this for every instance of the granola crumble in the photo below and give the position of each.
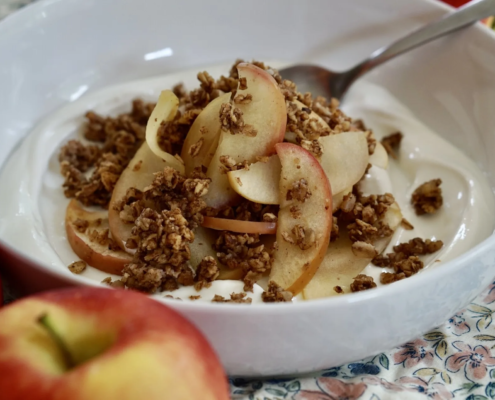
(169, 190)
(118, 140)
(246, 211)
(231, 120)
(77, 267)
(362, 282)
(206, 272)
(244, 251)
(275, 294)
(234, 298)
(391, 143)
(404, 260)
(427, 198)
(299, 191)
(338, 289)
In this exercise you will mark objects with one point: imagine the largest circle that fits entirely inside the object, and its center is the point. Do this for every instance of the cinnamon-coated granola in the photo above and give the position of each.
(275, 294)
(427, 198)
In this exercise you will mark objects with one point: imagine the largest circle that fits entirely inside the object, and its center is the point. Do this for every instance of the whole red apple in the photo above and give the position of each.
(95, 343)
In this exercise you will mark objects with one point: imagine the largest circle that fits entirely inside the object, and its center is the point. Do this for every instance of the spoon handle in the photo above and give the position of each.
(464, 16)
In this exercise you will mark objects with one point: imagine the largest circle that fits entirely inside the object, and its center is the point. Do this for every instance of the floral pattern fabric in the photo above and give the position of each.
(454, 361)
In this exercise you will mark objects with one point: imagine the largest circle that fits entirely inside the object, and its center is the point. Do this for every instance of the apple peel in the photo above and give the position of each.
(234, 225)
(94, 254)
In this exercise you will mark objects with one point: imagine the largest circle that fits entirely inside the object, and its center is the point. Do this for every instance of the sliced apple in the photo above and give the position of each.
(337, 198)
(266, 113)
(94, 254)
(345, 155)
(344, 159)
(234, 225)
(138, 174)
(205, 134)
(164, 111)
(293, 266)
(380, 157)
(340, 265)
(202, 246)
(259, 183)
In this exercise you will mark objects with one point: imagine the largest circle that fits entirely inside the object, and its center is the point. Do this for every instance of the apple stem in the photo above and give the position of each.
(44, 321)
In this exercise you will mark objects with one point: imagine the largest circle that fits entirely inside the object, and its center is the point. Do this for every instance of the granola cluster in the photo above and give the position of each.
(234, 298)
(364, 216)
(244, 252)
(246, 211)
(170, 190)
(362, 282)
(275, 294)
(391, 143)
(231, 120)
(404, 260)
(427, 198)
(116, 141)
(161, 242)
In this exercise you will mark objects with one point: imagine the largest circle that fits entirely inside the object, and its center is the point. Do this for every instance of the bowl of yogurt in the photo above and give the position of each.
(440, 109)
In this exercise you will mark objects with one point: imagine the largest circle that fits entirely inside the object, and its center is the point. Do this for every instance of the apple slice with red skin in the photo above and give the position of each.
(205, 129)
(340, 265)
(138, 174)
(94, 254)
(266, 113)
(124, 344)
(294, 267)
(234, 225)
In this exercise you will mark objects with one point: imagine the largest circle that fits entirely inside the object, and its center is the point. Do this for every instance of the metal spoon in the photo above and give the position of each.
(320, 81)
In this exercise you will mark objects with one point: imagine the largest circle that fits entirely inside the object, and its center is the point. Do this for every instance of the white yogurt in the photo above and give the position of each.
(33, 204)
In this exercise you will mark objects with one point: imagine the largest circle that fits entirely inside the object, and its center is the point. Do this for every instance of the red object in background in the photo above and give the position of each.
(456, 3)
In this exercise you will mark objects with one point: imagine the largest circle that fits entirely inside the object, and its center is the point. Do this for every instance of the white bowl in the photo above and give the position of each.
(54, 51)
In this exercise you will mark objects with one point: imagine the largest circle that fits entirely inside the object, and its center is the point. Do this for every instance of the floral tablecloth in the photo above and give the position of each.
(455, 360)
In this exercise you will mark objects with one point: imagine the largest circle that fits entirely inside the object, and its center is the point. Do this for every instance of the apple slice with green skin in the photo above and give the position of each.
(94, 254)
(205, 130)
(138, 174)
(380, 157)
(234, 225)
(122, 345)
(294, 267)
(202, 246)
(260, 183)
(340, 265)
(266, 113)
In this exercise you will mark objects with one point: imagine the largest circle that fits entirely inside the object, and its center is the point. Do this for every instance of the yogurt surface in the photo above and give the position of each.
(33, 203)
